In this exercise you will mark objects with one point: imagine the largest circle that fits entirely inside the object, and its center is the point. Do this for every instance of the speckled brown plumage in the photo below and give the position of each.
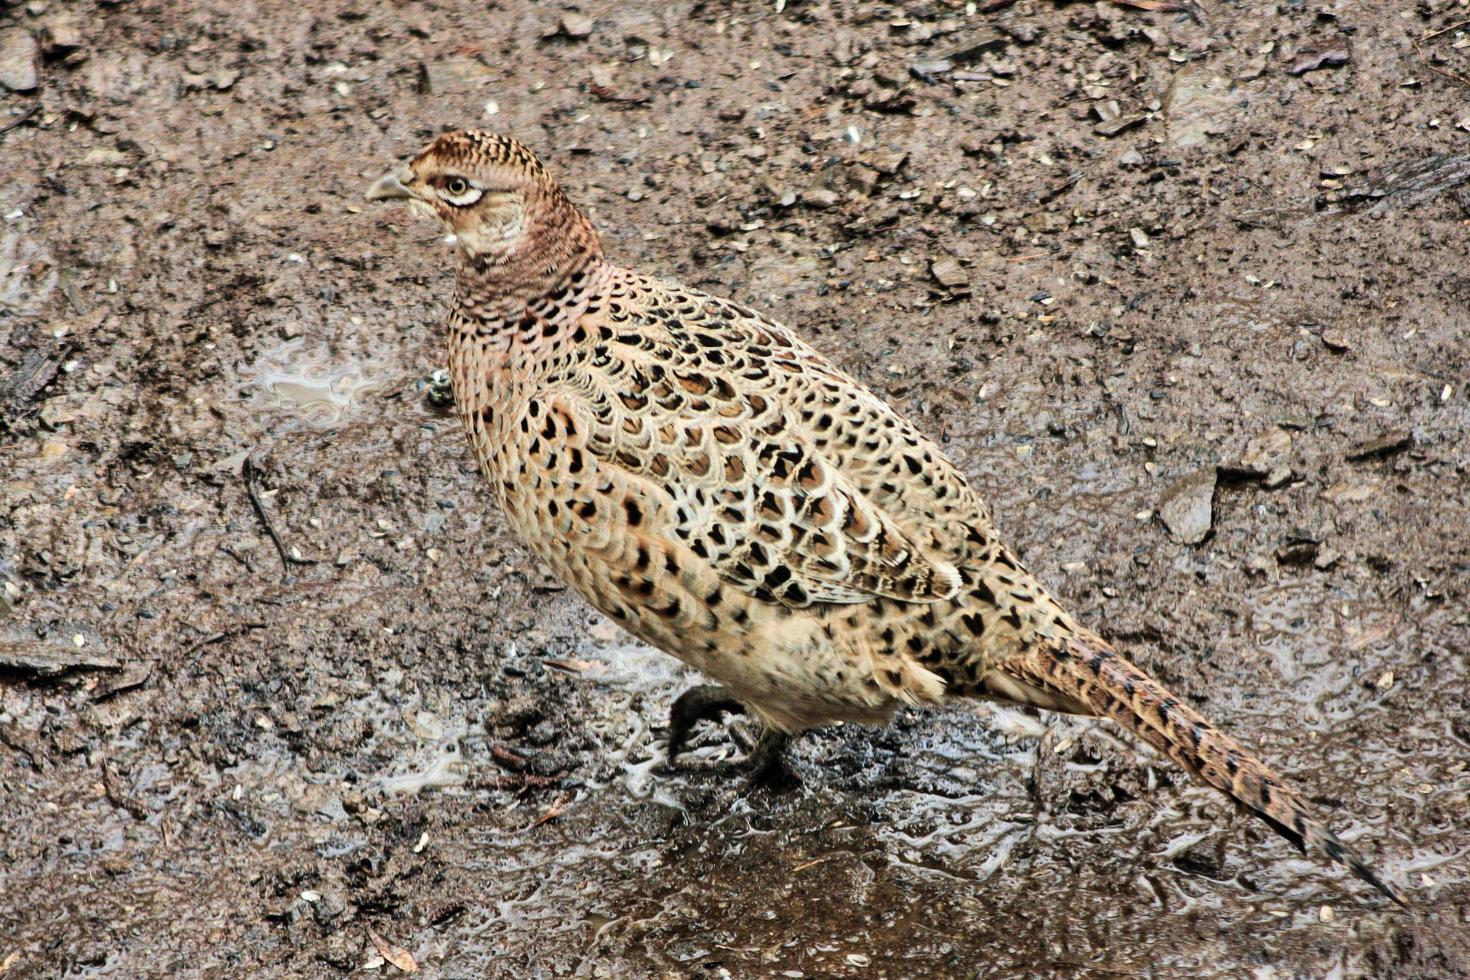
(702, 476)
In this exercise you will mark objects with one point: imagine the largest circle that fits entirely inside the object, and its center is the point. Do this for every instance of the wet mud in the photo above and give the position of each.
(1098, 250)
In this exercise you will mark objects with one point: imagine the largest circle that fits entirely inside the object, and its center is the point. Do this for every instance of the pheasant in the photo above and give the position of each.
(717, 487)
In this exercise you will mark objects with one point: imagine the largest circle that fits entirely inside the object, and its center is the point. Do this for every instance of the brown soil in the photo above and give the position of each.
(188, 277)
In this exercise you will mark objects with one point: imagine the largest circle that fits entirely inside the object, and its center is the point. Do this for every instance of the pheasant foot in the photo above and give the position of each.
(763, 764)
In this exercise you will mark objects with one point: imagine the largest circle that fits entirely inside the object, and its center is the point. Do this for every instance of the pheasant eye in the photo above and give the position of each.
(458, 191)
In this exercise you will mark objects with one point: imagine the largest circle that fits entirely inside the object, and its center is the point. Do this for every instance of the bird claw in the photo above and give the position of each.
(703, 703)
(763, 764)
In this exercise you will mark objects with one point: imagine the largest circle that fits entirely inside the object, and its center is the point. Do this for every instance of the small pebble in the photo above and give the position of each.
(576, 25)
(18, 60)
(1186, 508)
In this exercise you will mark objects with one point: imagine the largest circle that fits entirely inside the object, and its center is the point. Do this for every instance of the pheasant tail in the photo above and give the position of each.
(1086, 670)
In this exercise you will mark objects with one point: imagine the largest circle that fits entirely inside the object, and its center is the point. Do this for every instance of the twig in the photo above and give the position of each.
(509, 758)
(1444, 30)
(220, 637)
(1160, 6)
(521, 781)
(238, 557)
(1424, 59)
(519, 778)
(20, 119)
(811, 864)
(247, 474)
(118, 798)
(604, 94)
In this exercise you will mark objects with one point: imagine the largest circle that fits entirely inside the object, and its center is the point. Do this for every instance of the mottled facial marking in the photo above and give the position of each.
(485, 216)
(517, 233)
(496, 224)
(475, 185)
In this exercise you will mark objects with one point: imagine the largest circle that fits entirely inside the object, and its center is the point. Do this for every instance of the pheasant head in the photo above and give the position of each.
(509, 218)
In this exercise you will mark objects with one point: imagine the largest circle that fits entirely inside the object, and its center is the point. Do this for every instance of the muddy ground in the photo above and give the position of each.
(1096, 248)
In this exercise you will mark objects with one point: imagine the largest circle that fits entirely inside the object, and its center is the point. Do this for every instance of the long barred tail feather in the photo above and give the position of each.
(1085, 671)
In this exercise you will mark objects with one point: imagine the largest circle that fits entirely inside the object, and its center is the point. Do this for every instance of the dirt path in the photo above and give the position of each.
(1098, 249)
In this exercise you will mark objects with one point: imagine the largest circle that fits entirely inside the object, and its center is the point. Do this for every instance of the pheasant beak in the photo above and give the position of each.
(392, 187)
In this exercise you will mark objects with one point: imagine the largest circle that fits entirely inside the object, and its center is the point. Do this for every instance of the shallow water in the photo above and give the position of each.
(321, 390)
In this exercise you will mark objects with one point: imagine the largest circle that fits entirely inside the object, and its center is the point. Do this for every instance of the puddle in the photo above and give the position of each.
(320, 389)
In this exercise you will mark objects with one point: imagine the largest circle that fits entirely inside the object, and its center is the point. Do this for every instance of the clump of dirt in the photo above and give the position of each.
(1097, 249)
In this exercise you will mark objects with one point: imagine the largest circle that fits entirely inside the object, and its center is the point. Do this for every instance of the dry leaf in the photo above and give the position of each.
(396, 955)
(557, 808)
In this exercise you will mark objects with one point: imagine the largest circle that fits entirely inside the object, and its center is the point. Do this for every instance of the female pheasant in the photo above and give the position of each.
(721, 490)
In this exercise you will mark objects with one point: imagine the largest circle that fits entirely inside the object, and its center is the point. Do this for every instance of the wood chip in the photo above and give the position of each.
(1112, 127)
(50, 660)
(948, 273)
(1162, 6)
(1385, 445)
(1311, 59)
(576, 25)
(20, 387)
(1409, 183)
(574, 665)
(135, 675)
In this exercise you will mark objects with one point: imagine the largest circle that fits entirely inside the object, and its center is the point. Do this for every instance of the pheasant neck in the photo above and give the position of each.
(558, 247)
